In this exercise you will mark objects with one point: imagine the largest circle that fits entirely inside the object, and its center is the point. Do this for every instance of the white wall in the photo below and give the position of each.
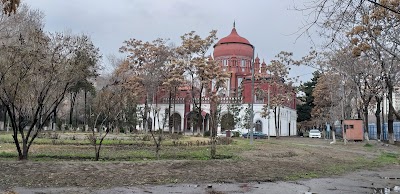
(287, 116)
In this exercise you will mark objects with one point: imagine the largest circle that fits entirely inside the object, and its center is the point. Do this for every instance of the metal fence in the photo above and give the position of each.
(372, 134)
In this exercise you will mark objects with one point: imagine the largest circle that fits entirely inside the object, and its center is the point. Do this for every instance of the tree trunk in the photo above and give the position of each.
(54, 125)
(85, 114)
(173, 115)
(213, 123)
(169, 112)
(276, 123)
(344, 133)
(5, 121)
(158, 151)
(366, 137)
(279, 122)
(145, 124)
(378, 118)
(100, 143)
(200, 111)
(25, 149)
(390, 115)
(71, 111)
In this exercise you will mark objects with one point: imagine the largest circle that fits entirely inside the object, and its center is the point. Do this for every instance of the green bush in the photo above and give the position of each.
(207, 134)
(235, 134)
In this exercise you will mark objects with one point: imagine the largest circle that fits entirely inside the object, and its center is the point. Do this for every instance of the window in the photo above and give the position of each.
(225, 62)
(348, 127)
(243, 63)
(228, 85)
(240, 81)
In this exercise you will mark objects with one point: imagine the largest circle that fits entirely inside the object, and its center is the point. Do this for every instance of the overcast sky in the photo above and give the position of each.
(270, 26)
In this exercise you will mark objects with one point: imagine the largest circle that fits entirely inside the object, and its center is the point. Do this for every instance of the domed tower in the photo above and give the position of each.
(234, 54)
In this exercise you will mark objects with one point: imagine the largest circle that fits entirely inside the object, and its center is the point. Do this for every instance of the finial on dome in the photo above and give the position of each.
(234, 24)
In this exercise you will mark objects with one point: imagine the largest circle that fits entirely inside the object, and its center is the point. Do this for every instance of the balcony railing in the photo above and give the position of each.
(204, 100)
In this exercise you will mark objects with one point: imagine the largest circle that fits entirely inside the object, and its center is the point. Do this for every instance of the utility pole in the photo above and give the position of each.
(252, 100)
(269, 113)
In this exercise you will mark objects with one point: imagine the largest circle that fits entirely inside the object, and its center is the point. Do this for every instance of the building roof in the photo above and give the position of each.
(233, 45)
(233, 37)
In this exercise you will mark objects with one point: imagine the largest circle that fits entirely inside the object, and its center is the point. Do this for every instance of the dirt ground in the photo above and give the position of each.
(278, 160)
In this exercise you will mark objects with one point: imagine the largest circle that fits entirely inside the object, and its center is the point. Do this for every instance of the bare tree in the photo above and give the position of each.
(108, 107)
(36, 72)
(375, 36)
(194, 49)
(373, 31)
(10, 6)
(279, 85)
(216, 80)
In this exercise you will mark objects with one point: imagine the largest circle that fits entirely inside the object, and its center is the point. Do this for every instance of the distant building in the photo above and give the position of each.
(235, 54)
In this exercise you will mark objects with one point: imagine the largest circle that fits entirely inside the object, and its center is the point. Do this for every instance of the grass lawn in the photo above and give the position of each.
(75, 146)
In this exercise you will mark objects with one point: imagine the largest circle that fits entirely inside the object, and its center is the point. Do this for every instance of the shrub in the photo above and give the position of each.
(146, 138)
(54, 136)
(236, 134)
(175, 136)
(207, 134)
(91, 138)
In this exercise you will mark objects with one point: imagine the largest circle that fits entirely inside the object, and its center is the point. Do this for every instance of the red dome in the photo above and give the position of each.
(233, 45)
(233, 38)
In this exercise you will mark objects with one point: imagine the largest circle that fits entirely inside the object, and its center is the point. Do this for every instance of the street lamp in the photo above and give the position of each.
(252, 99)
(269, 113)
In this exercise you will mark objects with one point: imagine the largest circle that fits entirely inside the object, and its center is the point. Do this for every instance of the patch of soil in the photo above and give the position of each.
(272, 161)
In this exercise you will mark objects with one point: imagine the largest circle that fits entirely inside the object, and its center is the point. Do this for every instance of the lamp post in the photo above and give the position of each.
(252, 100)
(269, 116)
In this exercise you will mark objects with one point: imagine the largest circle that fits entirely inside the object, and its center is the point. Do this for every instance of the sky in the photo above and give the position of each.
(271, 26)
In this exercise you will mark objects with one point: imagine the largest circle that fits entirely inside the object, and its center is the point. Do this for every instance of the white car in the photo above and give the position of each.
(314, 133)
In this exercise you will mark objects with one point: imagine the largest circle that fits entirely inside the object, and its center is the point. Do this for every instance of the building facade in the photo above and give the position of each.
(235, 55)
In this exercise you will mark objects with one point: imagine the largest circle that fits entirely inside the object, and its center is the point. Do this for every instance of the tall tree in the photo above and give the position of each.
(375, 36)
(173, 79)
(36, 72)
(280, 83)
(107, 110)
(307, 100)
(373, 28)
(216, 80)
(146, 62)
(195, 49)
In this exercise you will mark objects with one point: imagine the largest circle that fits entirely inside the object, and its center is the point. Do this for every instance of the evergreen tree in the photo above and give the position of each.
(307, 101)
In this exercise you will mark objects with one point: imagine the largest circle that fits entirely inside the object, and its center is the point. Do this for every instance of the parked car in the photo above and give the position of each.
(314, 133)
(256, 135)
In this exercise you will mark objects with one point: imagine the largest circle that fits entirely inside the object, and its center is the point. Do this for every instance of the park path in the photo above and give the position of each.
(378, 181)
